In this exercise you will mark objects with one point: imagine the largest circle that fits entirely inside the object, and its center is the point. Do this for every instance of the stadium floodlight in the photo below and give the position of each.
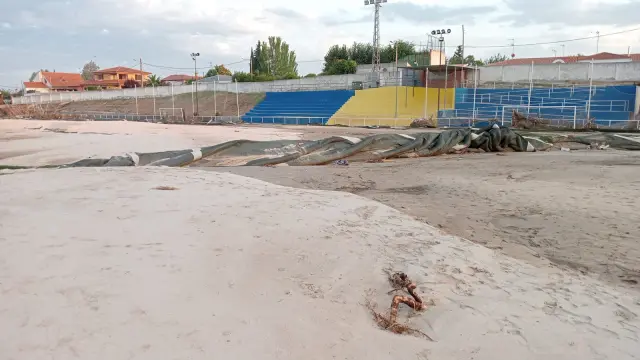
(375, 61)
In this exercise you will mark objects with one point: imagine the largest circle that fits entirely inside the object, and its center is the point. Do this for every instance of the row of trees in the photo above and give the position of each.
(274, 60)
(270, 60)
(471, 60)
(343, 59)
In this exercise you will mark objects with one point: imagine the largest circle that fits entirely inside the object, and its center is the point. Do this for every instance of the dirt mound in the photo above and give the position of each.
(223, 104)
(35, 111)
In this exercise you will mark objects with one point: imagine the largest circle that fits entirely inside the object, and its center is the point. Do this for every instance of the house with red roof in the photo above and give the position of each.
(178, 79)
(47, 81)
(116, 77)
(603, 57)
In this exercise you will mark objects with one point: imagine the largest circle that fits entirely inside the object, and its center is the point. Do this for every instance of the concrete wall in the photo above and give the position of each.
(335, 82)
(378, 106)
(577, 72)
(366, 68)
(37, 91)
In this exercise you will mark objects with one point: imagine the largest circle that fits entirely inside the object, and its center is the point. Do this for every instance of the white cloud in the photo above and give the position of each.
(163, 31)
(6, 25)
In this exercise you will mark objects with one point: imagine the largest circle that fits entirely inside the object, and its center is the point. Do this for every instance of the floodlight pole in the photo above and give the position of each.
(375, 61)
(441, 40)
(442, 32)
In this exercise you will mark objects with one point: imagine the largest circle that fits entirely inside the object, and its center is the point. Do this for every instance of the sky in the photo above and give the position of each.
(63, 35)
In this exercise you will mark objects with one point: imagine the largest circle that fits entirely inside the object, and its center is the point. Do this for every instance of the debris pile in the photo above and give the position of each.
(33, 111)
(520, 121)
(430, 123)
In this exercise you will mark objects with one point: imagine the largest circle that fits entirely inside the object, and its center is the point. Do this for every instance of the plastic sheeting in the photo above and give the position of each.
(377, 147)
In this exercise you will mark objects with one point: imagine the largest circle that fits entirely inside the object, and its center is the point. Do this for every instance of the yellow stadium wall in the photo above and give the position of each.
(378, 106)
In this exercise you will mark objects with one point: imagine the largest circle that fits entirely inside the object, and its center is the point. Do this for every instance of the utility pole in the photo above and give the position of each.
(598, 42)
(141, 74)
(397, 75)
(562, 50)
(555, 53)
(513, 48)
(462, 44)
(375, 61)
(194, 56)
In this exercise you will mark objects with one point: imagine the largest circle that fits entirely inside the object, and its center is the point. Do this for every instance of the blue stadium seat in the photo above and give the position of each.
(302, 107)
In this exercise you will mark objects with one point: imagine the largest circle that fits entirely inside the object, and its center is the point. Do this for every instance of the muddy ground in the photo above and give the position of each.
(576, 210)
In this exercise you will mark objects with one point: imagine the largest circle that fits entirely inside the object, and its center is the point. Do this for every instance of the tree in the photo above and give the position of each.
(388, 53)
(255, 55)
(472, 61)
(335, 53)
(457, 56)
(222, 70)
(310, 75)
(274, 58)
(361, 53)
(35, 74)
(211, 72)
(88, 69)
(4, 94)
(130, 84)
(241, 76)
(496, 59)
(154, 80)
(468, 60)
(341, 66)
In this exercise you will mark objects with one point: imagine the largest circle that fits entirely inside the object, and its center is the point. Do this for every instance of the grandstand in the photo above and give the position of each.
(609, 105)
(300, 108)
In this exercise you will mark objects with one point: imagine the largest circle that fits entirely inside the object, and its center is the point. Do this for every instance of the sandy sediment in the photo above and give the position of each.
(37, 142)
(97, 264)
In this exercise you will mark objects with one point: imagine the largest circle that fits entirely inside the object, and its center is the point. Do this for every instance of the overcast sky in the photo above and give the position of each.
(65, 34)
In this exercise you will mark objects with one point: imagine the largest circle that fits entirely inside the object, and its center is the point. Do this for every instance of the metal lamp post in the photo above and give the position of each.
(441, 32)
(395, 43)
(194, 56)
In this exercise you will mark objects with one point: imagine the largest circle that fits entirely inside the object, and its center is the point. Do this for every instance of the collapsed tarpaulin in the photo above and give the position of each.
(299, 152)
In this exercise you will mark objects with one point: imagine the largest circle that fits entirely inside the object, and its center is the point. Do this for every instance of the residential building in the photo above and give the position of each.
(603, 57)
(177, 79)
(220, 79)
(31, 87)
(115, 77)
(46, 81)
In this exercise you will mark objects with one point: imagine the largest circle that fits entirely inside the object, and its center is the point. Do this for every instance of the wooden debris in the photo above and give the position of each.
(400, 281)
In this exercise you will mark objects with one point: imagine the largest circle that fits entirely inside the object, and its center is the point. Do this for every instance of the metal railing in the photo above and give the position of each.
(522, 100)
(447, 119)
(453, 122)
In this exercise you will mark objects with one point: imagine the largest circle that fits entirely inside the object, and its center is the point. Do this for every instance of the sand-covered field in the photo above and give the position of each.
(96, 263)
(37, 142)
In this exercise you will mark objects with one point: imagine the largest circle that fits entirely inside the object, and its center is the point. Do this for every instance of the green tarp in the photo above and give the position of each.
(493, 138)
